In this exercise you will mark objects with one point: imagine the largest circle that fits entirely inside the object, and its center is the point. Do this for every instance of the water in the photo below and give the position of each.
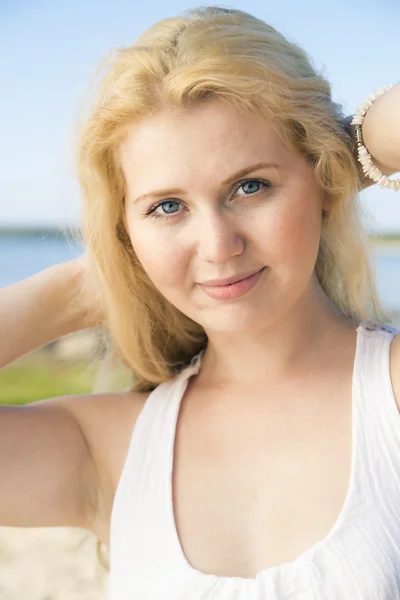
(23, 256)
(387, 262)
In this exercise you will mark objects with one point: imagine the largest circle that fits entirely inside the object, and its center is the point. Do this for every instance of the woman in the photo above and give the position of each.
(257, 453)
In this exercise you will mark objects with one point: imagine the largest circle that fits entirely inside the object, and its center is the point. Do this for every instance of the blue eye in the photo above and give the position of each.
(167, 206)
(152, 212)
(251, 183)
(259, 184)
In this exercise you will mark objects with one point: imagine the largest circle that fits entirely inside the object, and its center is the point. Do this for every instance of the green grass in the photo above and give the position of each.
(29, 381)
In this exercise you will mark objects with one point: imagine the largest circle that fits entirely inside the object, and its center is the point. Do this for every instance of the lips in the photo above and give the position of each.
(229, 280)
(235, 290)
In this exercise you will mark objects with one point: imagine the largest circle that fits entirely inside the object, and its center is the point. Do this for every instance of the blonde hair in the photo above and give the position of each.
(212, 52)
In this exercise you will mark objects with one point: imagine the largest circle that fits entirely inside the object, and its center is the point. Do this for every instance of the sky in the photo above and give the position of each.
(50, 50)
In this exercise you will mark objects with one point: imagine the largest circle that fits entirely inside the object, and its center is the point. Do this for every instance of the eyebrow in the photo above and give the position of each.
(241, 173)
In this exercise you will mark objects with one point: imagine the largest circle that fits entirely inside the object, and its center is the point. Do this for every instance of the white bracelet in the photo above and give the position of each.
(364, 157)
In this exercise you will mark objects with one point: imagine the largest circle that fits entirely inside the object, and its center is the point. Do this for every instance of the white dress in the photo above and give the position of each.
(358, 560)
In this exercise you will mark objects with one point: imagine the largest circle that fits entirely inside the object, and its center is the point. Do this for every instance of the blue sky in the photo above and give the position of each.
(49, 51)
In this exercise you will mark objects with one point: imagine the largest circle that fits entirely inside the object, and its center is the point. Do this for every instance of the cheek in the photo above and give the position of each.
(159, 254)
(292, 233)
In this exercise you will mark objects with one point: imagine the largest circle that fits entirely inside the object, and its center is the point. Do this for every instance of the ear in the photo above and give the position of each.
(326, 204)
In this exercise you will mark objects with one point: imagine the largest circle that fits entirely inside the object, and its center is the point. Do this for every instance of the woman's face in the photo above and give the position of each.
(212, 193)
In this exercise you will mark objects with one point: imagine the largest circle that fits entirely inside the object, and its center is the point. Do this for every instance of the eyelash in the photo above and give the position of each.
(266, 184)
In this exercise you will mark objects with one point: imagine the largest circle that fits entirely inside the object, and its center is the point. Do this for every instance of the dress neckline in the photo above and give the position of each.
(182, 561)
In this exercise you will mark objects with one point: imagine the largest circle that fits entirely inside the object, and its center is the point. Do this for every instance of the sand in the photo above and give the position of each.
(49, 563)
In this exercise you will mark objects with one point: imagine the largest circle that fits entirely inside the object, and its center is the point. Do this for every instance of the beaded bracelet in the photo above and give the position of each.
(364, 157)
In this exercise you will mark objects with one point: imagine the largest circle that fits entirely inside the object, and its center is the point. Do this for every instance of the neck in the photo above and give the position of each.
(253, 359)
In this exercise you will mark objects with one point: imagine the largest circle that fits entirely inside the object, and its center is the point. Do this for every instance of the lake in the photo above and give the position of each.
(24, 255)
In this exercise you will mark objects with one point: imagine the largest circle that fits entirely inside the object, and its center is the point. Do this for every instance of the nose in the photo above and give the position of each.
(218, 237)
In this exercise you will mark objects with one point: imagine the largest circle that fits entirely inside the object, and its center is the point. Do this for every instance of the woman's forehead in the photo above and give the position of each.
(209, 132)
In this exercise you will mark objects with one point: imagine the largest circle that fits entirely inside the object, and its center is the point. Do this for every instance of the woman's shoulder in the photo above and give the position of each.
(113, 417)
(107, 421)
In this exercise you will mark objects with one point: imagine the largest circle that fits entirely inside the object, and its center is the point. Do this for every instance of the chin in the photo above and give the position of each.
(233, 320)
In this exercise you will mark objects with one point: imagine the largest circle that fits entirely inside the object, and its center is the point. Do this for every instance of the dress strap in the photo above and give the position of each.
(374, 378)
(140, 530)
(379, 414)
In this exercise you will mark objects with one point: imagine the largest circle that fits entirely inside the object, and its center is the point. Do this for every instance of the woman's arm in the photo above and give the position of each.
(381, 133)
(39, 310)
